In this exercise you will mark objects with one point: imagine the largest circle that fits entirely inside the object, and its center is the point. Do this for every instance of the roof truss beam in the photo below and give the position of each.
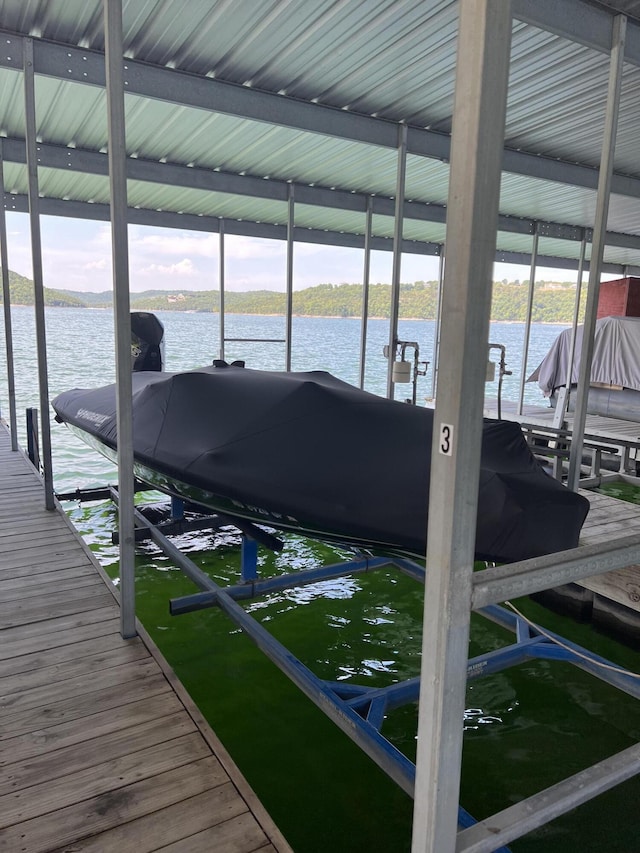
(18, 203)
(170, 85)
(96, 163)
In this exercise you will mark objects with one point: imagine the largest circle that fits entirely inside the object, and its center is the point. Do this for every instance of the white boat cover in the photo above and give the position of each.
(616, 356)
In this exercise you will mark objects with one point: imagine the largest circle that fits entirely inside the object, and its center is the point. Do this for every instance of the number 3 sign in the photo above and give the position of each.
(446, 440)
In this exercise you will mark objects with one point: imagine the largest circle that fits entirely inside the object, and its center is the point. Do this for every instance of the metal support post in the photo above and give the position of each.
(527, 328)
(289, 308)
(562, 401)
(597, 251)
(36, 254)
(397, 255)
(221, 277)
(122, 316)
(436, 330)
(477, 143)
(6, 296)
(365, 289)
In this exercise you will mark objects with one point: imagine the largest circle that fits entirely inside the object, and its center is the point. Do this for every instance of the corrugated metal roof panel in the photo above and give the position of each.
(160, 197)
(389, 58)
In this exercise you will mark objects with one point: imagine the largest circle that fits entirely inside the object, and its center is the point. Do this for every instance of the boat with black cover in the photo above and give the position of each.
(309, 453)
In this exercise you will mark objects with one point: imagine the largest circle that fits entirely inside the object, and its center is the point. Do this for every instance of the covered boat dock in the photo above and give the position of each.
(477, 131)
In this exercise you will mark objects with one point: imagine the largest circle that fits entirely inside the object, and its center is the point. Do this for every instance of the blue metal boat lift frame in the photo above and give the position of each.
(358, 710)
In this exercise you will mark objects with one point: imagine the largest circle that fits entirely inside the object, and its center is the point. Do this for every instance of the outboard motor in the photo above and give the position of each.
(147, 341)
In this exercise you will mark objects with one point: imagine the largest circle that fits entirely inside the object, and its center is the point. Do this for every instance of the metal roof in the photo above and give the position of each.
(229, 102)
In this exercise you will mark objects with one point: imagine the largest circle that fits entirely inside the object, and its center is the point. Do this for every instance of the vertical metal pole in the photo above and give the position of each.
(6, 296)
(397, 255)
(36, 254)
(597, 251)
(562, 401)
(365, 289)
(477, 144)
(122, 315)
(289, 308)
(221, 277)
(527, 328)
(436, 330)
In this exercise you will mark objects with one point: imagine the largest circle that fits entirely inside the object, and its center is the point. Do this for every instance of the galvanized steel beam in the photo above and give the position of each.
(597, 251)
(6, 297)
(527, 321)
(436, 329)
(477, 139)
(122, 317)
(288, 318)
(543, 807)
(365, 290)
(494, 585)
(209, 224)
(36, 257)
(84, 66)
(173, 174)
(221, 282)
(394, 310)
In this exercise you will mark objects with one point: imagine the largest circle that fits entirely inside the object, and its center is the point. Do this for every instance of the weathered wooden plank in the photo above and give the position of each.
(82, 756)
(113, 678)
(90, 665)
(216, 814)
(13, 614)
(604, 512)
(57, 625)
(42, 552)
(104, 777)
(71, 651)
(26, 540)
(28, 523)
(608, 530)
(622, 586)
(47, 585)
(69, 585)
(41, 566)
(238, 835)
(54, 597)
(97, 814)
(77, 707)
(40, 580)
(41, 741)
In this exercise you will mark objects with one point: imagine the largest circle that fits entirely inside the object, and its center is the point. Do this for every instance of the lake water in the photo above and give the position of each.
(525, 728)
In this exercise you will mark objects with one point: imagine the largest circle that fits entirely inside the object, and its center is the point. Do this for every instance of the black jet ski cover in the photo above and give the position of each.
(307, 451)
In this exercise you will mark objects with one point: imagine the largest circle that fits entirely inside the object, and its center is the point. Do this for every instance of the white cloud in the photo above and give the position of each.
(156, 241)
(183, 269)
(99, 264)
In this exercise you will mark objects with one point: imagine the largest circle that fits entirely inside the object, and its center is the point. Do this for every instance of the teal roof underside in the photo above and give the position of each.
(229, 104)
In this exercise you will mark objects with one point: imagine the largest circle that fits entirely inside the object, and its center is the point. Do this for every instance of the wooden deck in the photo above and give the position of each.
(610, 430)
(611, 519)
(101, 748)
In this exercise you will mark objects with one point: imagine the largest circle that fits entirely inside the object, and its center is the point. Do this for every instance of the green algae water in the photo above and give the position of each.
(525, 728)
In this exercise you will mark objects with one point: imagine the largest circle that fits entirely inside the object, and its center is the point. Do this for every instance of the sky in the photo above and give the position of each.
(77, 256)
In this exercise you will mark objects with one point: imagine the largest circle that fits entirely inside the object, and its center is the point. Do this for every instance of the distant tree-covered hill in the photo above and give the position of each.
(552, 303)
(21, 293)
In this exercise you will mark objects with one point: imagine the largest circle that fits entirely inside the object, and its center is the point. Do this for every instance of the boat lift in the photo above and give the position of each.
(360, 711)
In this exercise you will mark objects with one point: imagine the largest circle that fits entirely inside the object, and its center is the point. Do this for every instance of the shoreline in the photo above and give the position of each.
(299, 316)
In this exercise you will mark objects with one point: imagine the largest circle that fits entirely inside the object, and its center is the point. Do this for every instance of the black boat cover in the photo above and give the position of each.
(308, 452)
